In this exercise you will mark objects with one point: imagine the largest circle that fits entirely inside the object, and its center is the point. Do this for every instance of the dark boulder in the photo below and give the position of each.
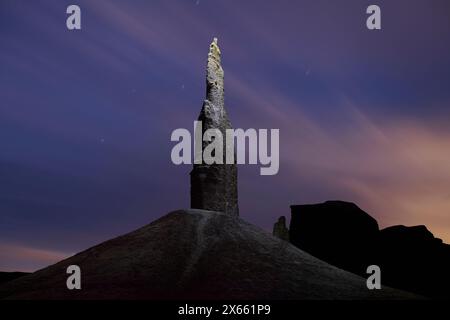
(335, 231)
(340, 233)
(411, 258)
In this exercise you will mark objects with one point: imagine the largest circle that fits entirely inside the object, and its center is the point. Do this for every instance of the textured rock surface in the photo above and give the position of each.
(335, 231)
(280, 230)
(196, 254)
(214, 187)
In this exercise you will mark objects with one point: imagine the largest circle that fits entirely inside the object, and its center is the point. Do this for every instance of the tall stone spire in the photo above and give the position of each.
(214, 187)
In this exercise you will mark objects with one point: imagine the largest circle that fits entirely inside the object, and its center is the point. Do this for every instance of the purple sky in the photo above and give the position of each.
(86, 116)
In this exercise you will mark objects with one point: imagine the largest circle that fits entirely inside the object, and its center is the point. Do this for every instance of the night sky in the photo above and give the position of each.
(86, 116)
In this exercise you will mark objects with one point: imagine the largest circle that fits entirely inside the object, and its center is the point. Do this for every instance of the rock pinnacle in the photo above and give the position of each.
(214, 187)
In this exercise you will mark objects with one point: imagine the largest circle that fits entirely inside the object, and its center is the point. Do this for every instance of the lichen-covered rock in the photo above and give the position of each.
(214, 187)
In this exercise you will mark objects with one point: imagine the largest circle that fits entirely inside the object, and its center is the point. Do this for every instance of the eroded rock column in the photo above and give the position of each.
(214, 187)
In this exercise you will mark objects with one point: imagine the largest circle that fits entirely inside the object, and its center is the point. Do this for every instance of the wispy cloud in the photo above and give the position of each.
(28, 258)
(397, 171)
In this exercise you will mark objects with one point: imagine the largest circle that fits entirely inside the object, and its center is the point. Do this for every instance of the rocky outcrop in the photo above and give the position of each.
(340, 233)
(280, 230)
(214, 186)
(413, 259)
(196, 254)
(337, 232)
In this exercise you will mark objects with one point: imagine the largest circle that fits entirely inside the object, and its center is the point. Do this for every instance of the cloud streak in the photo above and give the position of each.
(28, 258)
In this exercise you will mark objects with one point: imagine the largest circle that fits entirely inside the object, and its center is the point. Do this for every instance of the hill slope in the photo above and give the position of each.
(9, 276)
(196, 254)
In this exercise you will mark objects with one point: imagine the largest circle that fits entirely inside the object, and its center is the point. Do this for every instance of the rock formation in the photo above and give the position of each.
(413, 259)
(340, 233)
(196, 254)
(337, 232)
(280, 230)
(214, 187)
